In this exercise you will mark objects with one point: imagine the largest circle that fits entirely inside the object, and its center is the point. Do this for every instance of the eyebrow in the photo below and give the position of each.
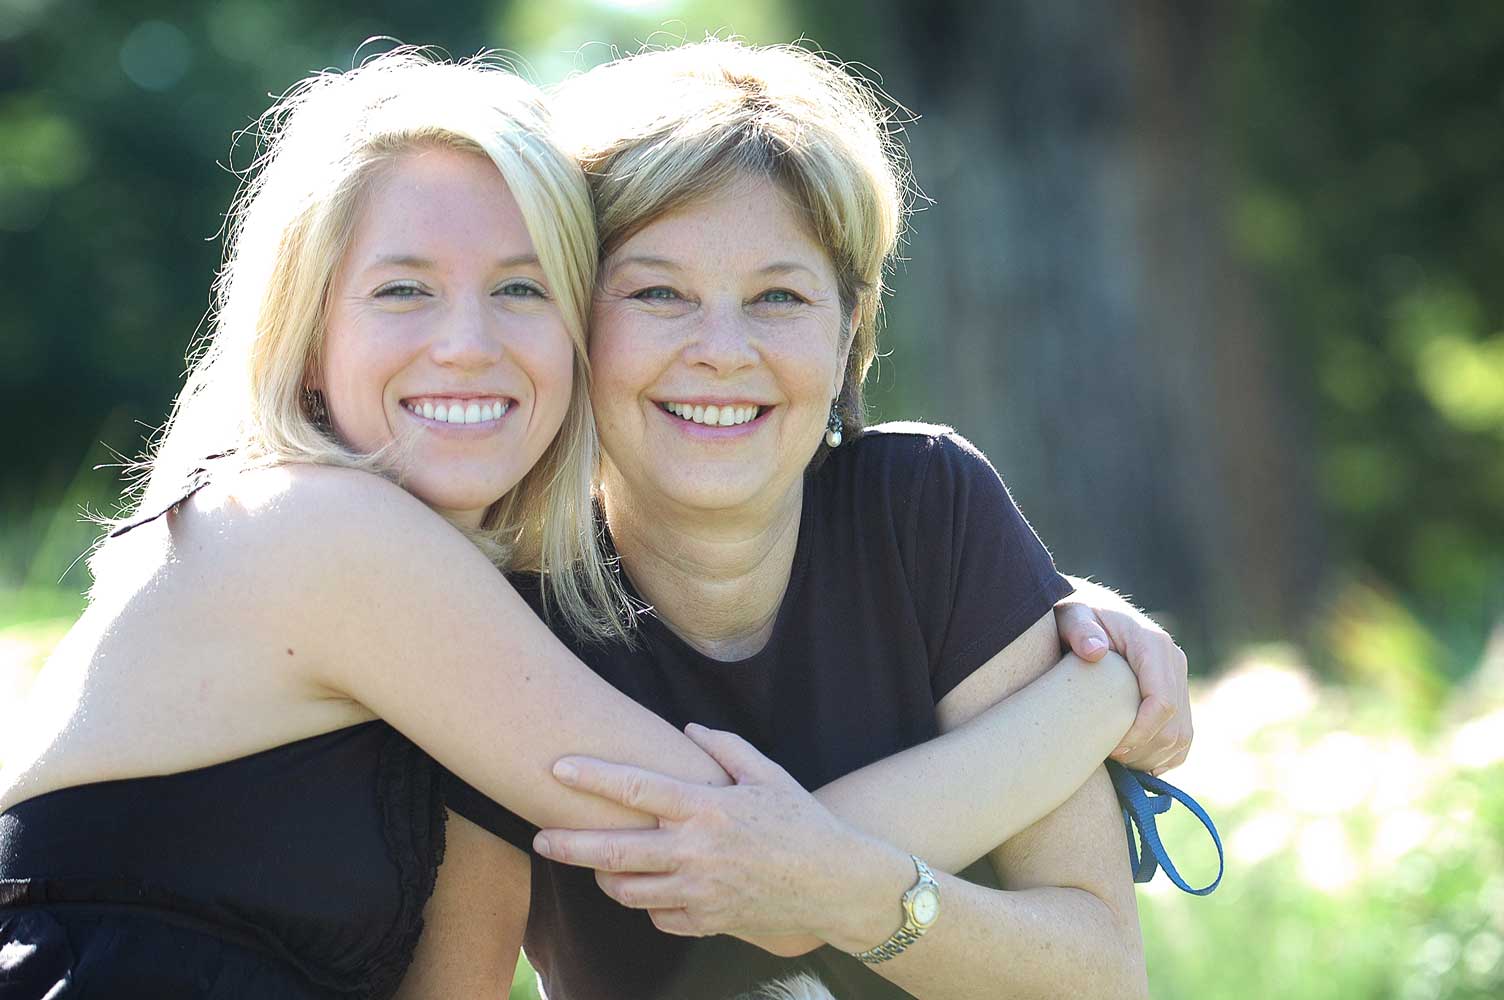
(412, 260)
(777, 267)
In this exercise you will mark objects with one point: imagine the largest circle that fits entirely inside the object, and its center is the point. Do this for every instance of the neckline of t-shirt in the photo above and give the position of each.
(785, 607)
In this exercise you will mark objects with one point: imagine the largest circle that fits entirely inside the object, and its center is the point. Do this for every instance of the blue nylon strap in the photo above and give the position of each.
(1140, 808)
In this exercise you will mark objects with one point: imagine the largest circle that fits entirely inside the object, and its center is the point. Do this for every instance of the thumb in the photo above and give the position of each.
(1080, 629)
(740, 759)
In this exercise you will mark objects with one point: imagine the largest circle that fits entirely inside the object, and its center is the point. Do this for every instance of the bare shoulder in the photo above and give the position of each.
(296, 527)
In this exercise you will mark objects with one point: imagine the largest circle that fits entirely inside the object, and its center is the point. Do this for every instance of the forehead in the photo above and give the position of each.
(743, 225)
(439, 202)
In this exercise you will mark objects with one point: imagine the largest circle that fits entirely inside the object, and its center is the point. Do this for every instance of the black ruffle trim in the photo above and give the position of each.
(412, 806)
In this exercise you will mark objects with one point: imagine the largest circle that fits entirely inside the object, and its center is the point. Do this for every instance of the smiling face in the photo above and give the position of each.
(442, 333)
(716, 348)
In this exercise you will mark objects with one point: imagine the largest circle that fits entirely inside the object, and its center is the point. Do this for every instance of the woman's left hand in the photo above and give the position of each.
(1161, 735)
(761, 859)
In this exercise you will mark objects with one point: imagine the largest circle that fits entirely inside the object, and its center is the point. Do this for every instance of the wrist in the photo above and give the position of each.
(867, 907)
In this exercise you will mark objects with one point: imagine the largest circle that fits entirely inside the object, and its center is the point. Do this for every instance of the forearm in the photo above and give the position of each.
(1043, 942)
(1065, 925)
(954, 798)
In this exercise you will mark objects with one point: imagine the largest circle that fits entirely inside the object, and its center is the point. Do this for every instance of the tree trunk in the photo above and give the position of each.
(1073, 304)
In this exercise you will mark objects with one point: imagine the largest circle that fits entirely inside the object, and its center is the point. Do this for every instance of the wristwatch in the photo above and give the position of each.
(921, 908)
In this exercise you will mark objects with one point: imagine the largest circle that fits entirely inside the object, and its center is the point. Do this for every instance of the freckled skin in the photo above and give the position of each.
(690, 309)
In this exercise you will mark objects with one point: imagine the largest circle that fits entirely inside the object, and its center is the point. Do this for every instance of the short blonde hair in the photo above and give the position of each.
(319, 149)
(664, 128)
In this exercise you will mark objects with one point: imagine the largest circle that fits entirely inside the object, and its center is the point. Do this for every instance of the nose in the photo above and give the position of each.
(468, 336)
(725, 341)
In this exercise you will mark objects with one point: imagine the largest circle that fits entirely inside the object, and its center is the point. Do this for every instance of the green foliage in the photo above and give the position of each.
(1370, 142)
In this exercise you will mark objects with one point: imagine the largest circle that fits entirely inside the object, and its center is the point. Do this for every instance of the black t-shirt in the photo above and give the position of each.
(913, 568)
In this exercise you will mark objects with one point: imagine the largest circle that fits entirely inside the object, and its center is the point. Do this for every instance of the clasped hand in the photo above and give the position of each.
(761, 859)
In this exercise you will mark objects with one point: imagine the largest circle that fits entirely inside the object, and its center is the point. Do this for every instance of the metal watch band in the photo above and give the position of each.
(910, 931)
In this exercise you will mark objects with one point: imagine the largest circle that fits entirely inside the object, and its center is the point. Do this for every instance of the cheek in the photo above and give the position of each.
(552, 369)
(353, 386)
(618, 372)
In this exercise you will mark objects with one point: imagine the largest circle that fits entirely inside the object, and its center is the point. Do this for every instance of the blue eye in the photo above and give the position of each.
(658, 293)
(522, 289)
(781, 297)
(404, 291)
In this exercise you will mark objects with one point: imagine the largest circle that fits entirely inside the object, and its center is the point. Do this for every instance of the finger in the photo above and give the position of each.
(675, 922)
(1080, 630)
(1154, 713)
(1165, 751)
(634, 787)
(609, 850)
(643, 892)
(740, 759)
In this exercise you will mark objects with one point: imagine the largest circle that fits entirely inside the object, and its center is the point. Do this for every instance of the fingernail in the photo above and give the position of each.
(1094, 643)
(541, 844)
(694, 727)
(1122, 751)
(566, 771)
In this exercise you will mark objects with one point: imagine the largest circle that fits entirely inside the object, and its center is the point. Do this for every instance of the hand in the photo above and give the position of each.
(1161, 734)
(761, 859)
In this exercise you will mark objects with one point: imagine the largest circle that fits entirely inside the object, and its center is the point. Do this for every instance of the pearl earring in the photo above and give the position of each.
(833, 428)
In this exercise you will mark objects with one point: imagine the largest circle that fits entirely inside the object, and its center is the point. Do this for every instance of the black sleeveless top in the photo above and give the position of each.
(300, 872)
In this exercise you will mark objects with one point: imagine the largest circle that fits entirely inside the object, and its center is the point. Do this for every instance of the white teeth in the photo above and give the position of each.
(460, 412)
(713, 415)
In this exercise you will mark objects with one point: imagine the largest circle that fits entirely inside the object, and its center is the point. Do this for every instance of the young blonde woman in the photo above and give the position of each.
(221, 792)
(833, 594)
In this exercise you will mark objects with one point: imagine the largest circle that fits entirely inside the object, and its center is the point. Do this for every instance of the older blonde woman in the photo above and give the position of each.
(833, 594)
(221, 792)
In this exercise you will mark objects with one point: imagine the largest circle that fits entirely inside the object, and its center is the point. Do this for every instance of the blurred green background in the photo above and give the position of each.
(1215, 285)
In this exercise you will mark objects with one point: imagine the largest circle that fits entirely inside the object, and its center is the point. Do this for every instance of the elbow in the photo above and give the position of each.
(1120, 971)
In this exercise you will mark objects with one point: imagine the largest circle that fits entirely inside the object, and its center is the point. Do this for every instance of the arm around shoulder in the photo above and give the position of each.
(401, 613)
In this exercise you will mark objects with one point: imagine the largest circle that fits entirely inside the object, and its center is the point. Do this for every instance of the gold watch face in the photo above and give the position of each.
(925, 906)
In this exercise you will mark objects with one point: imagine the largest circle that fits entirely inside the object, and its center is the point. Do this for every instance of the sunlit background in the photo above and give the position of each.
(1215, 285)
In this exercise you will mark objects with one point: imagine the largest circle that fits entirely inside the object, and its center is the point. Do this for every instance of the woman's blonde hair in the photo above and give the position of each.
(664, 128)
(319, 148)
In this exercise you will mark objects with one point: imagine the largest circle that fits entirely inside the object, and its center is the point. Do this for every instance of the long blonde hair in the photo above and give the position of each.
(319, 148)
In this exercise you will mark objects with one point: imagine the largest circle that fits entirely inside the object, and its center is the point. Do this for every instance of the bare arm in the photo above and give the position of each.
(468, 672)
(1071, 908)
(1066, 923)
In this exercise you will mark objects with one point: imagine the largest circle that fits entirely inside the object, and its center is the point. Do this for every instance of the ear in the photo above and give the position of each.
(313, 375)
(848, 340)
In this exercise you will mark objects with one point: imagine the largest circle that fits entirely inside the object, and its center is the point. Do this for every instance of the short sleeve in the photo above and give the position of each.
(981, 574)
(467, 801)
